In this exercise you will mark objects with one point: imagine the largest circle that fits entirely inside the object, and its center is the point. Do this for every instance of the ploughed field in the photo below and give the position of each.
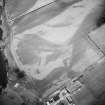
(59, 42)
